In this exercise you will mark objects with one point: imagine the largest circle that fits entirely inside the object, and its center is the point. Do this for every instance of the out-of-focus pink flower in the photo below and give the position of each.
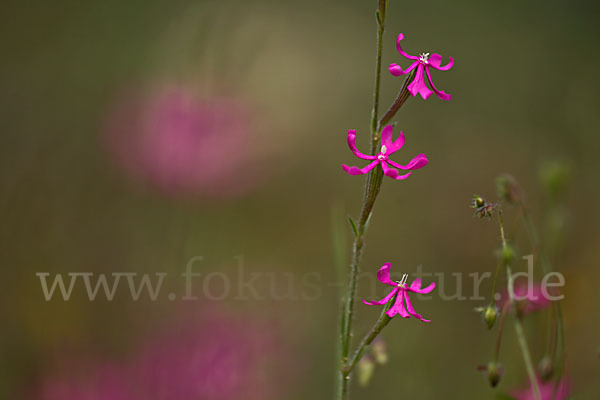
(88, 382)
(401, 292)
(186, 146)
(422, 63)
(214, 358)
(547, 390)
(388, 148)
(527, 299)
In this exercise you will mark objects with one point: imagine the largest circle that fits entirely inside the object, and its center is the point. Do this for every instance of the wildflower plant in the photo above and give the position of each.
(382, 146)
(517, 301)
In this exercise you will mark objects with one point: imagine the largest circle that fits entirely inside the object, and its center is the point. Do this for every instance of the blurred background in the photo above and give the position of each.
(137, 135)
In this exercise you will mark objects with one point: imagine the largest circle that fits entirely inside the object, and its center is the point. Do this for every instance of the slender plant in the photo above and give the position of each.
(546, 382)
(382, 145)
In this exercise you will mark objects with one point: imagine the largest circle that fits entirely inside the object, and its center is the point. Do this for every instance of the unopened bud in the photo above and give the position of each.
(494, 374)
(482, 208)
(546, 368)
(490, 315)
(508, 254)
(508, 189)
(478, 201)
(379, 351)
(365, 369)
(555, 177)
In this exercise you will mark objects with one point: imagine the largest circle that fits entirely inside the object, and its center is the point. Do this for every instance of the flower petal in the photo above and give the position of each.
(382, 301)
(411, 309)
(416, 287)
(383, 275)
(435, 60)
(396, 70)
(418, 86)
(359, 171)
(352, 144)
(386, 139)
(417, 162)
(392, 173)
(440, 93)
(400, 38)
(398, 143)
(386, 136)
(398, 307)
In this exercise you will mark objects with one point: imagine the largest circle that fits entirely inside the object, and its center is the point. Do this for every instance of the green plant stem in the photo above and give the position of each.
(368, 339)
(559, 345)
(500, 330)
(372, 187)
(375, 110)
(517, 322)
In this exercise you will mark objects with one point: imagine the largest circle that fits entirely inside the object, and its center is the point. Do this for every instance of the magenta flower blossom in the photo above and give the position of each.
(388, 148)
(422, 63)
(526, 300)
(217, 356)
(181, 145)
(401, 292)
(546, 391)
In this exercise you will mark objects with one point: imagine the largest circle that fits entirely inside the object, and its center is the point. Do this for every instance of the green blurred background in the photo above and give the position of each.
(524, 88)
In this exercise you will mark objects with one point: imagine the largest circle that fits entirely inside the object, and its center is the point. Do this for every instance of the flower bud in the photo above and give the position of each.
(365, 369)
(508, 255)
(489, 316)
(482, 208)
(494, 372)
(509, 189)
(379, 351)
(478, 201)
(555, 177)
(546, 368)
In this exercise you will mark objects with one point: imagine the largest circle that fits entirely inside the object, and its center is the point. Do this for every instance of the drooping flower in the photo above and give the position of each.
(402, 305)
(422, 63)
(526, 300)
(547, 390)
(388, 148)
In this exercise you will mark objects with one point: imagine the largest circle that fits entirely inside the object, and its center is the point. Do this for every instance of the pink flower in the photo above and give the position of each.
(526, 300)
(214, 357)
(87, 382)
(401, 290)
(546, 391)
(182, 145)
(422, 62)
(388, 147)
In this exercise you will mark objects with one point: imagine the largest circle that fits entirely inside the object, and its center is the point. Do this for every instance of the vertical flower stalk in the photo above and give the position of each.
(379, 165)
(555, 180)
(372, 187)
(517, 322)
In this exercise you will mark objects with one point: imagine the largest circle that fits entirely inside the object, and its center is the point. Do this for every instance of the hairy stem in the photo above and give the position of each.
(369, 337)
(517, 322)
(373, 185)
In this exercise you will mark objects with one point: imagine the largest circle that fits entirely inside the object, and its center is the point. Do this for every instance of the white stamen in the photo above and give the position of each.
(424, 57)
(383, 149)
(403, 281)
